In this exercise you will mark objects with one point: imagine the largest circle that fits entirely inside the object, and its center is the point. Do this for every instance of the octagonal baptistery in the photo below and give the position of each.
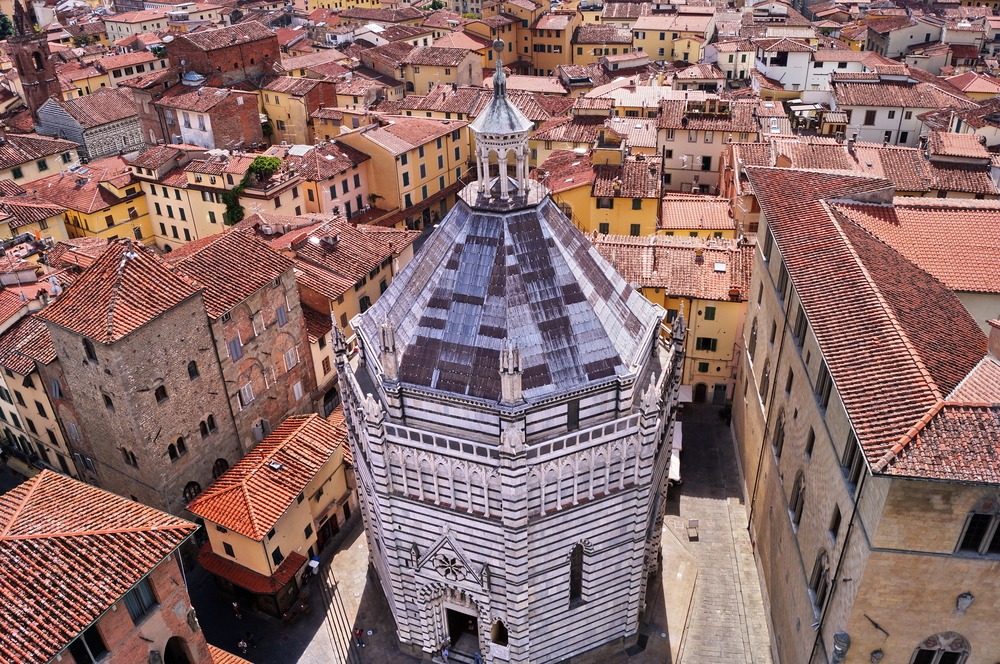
(508, 411)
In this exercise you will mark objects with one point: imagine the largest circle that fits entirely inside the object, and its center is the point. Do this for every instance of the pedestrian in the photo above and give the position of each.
(236, 609)
(477, 658)
(444, 654)
(250, 640)
(358, 641)
(243, 646)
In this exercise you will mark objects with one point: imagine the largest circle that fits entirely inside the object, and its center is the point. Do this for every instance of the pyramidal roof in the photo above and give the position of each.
(528, 276)
(501, 116)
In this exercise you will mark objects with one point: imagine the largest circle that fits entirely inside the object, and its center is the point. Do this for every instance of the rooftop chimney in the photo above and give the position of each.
(994, 343)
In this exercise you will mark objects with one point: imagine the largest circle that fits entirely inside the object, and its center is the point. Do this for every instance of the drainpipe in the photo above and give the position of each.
(843, 554)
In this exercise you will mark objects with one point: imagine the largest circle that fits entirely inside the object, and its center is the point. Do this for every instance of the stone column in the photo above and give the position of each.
(483, 157)
(504, 180)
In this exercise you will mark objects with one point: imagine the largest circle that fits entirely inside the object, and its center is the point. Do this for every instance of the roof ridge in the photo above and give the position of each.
(20, 506)
(907, 438)
(88, 533)
(890, 313)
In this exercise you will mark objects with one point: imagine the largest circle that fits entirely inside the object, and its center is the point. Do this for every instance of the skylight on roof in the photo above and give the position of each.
(720, 267)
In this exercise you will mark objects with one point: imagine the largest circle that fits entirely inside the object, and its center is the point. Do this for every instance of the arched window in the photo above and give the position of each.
(752, 342)
(219, 467)
(210, 421)
(798, 499)
(576, 575)
(409, 86)
(161, 394)
(36, 60)
(943, 648)
(203, 428)
(191, 491)
(765, 379)
(108, 403)
(498, 634)
(172, 452)
(181, 447)
(819, 582)
(778, 440)
(193, 370)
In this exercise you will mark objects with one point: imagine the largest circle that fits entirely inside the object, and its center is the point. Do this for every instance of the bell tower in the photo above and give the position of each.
(29, 50)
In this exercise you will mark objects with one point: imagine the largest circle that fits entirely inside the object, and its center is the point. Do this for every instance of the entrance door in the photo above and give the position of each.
(462, 624)
(719, 395)
(700, 391)
(327, 530)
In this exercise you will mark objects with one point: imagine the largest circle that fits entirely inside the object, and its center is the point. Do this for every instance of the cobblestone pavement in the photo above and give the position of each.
(725, 619)
(726, 622)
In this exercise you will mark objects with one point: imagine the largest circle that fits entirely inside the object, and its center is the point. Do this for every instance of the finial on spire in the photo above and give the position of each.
(499, 77)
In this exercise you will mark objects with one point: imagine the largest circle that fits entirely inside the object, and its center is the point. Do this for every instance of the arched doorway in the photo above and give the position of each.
(700, 392)
(176, 651)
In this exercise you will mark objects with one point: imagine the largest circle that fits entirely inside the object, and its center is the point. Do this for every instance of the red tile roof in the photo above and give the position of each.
(68, 552)
(672, 263)
(358, 251)
(220, 656)
(26, 342)
(243, 33)
(76, 252)
(696, 212)
(246, 578)
(23, 210)
(384, 15)
(435, 56)
(318, 324)
(230, 267)
(565, 169)
(325, 161)
(127, 287)
(602, 33)
(891, 343)
(101, 107)
(251, 496)
(895, 93)
(685, 114)
(402, 133)
(637, 177)
(16, 149)
(65, 189)
(951, 238)
(958, 145)
(982, 383)
(575, 129)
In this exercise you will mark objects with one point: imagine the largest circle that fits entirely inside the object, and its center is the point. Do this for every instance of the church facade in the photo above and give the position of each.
(510, 413)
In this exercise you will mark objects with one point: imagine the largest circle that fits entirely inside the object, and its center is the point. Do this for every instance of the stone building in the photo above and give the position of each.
(866, 422)
(97, 579)
(256, 321)
(104, 123)
(140, 362)
(507, 415)
(210, 117)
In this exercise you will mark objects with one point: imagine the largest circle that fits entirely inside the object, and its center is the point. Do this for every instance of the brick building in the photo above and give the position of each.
(256, 322)
(229, 54)
(209, 117)
(141, 365)
(29, 51)
(96, 576)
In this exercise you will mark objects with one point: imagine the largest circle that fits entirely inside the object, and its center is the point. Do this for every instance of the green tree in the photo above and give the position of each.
(6, 26)
(470, 15)
(434, 5)
(84, 40)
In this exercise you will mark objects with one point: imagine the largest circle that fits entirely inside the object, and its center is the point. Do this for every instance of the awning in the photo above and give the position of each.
(684, 395)
(674, 473)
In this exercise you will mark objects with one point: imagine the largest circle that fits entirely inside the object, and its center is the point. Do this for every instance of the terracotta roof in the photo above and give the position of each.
(65, 189)
(699, 23)
(463, 40)
(250, 497)
(784, 45)
(636, 178)
(215, 38)
(109, 62)
(10, 304)
(156, 156)
(564, 170)
(17, 149)
(230, 267)
(309, 60)
(392, 54)
(894, 93)
(76, 252)
(891, 344)
(734, 46)
(982, 383)
(359, 249)
(203, 99)
(949, 238)
(317, 324)
(69, 552)
(213, 563)
(24, 210)
(552, 22)
(445, 19)
(24, 343)
(127, 287)
(972, 81)
(602, 33)
(681, 114)
(101, 107)
(403, 133)
(576, 129)
(322, 281)
(696, 212)
(624, 10)
(958, 145)
(323, 162)
(220, 656)
(671, 263)
(886, 24)
(638, 132)
(435, 56)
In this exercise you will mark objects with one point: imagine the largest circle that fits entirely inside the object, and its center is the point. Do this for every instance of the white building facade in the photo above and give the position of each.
(511, 415)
